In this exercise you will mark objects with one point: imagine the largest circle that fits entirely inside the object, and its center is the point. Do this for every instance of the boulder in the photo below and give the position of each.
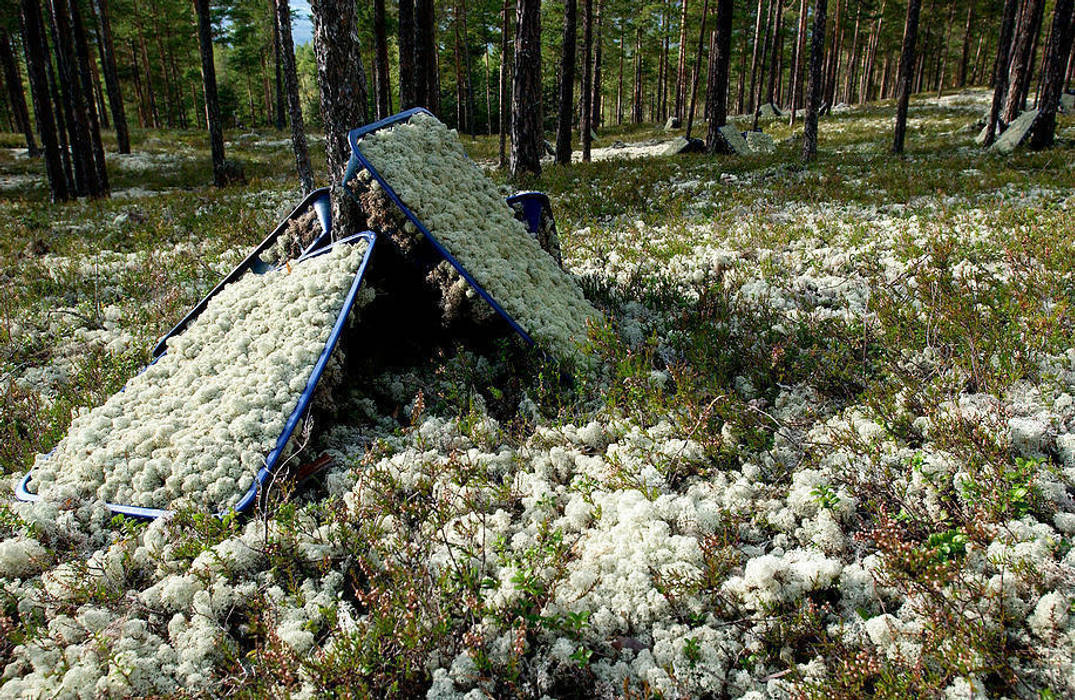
(672, 123)
(759, 142)
(734, 140)
(769, 111)
(1067, 103)
(550, 150)
(1016, 133)
(684, 145)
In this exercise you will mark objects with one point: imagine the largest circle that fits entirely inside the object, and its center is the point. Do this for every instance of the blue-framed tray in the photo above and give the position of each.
(358, 160)
(272, 460)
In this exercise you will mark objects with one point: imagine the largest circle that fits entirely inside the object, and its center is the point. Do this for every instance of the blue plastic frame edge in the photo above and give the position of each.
(357, 158)
(318, 199)
(267, 471)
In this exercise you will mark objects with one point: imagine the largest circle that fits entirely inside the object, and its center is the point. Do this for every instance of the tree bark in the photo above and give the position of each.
(1043, 131)
(907, 60)
(112, 85)
(565, 117)
(636, 97)
(1000, 70)
(83, 59)
(717, 88)
(697, 70)
(212, 104)
(681, 63)
(36, 53)
(15, 94)
(74, 106)
(1022, 58)
(341, 79)
(796, 65)
(961, 79)
(813, 102)
(762, 64)
(754, 56)
(294, 105)
(407, 78)
(526, 135)
(595, 101)
(587, 80)
(425, 55)
(774, 62)
(505, 60)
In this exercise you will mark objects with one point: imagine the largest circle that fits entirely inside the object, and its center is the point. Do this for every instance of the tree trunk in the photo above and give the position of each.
(212, 105)
(112, 85)
(1043, 131)
(587, 79)
(36, 53)
(460, 83)
(1000, 70)
(15, 94)
(961, 79)
(681, 63)
(294, 105)
(70, 86)
(697, 70)
(83, 60)
(1022, 58)
(567, 85)
(619, 85)
(407, 78)
(1071, 57)
(907, 60)
(832, 59)
(526, 135)
(596, 101)
(340, 78)
(62, 120)
(381, 78)
(488, 94)
(278, 69)
(796, 65)
(505, 60)
(813, 102)
(754, 56)
(852, 57)
(942, 58)
(425, 55)
(468, 81)
(717, 87)
(636, 97)
(762, 64)
(774, 61)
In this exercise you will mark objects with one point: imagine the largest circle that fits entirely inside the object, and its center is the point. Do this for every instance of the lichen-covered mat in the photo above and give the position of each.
(423, 161)
(195, 427)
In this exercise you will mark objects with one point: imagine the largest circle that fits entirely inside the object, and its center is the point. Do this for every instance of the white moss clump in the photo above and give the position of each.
(425, 164)
(196, 426)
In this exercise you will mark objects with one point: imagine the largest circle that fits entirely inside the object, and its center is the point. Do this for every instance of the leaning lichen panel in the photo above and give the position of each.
(195, 427)
(423, 161)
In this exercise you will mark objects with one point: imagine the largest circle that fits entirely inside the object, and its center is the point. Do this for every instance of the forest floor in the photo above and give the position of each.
(826, 447)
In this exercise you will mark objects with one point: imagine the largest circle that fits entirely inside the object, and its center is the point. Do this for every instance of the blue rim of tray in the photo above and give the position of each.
(271, 461)
(318, 200)
(358, 158)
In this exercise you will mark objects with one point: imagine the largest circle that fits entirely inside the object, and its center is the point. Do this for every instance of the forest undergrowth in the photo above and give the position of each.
(826, 447)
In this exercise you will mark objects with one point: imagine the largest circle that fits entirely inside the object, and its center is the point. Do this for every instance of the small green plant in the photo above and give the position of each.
(826, 497)
(947, 545)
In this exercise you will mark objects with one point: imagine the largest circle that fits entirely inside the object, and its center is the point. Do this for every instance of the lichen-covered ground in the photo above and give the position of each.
(826, 446)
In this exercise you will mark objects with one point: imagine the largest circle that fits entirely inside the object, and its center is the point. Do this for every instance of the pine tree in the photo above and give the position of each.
(526, 135)
(294, 106)
(717, 88)
(1043, 131)
(813, 100)
(907, 61)
(565, 118)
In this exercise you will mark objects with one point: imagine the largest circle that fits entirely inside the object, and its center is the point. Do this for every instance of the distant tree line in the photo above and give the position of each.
(73, 67)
